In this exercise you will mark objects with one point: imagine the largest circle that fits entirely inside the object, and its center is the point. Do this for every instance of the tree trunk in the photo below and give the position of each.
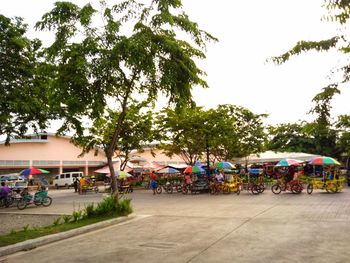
(112, 146)
(114, 188)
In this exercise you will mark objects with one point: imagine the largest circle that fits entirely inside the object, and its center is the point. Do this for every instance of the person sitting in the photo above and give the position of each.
(219, 177)
(41, 187)
(218, 180)
(4, 191)
(188, 179)
(26, 195)
(290, 174)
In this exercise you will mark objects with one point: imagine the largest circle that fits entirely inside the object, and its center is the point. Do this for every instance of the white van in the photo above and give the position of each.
(66, 179)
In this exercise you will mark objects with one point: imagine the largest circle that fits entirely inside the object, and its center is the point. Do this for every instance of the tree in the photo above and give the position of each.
(338, 12)
(135, 132)
(23, 81)
(317, 137)
(249, 130)
(229, 131)
(325, 137)
(343, 126)
(290, 137)
(134, 52)
(323, 134)
(182, 132)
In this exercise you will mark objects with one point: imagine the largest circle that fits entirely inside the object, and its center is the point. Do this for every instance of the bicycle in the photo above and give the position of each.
(295, 186)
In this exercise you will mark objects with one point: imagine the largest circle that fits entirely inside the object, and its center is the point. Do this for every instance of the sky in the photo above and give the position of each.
(249, 33)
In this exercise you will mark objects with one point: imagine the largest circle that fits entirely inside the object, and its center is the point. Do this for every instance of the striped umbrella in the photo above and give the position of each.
(288, 162)
(225, 165)
(30, 171)
(194, 169)
(324, 160)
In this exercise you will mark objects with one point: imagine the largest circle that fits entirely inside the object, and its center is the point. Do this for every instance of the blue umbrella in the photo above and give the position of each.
(198, 163)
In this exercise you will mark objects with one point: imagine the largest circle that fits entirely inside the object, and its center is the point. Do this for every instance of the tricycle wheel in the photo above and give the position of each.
(226, 189)
(334, 188)
(169, 189)
(309, 189)
(179, 188)
(238, 191)
(159, 189)
(255, 189)
(297, 189)
(96, 189)
(276, 189)
(261, 188)
(21, 204)
(47, 201)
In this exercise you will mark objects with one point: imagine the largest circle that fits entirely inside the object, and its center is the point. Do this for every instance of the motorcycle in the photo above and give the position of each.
(39, 198)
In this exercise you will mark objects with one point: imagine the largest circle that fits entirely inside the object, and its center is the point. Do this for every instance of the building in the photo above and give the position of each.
(50, 152)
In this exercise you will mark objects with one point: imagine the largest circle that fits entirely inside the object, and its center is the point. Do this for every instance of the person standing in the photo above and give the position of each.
(153, 182)
(82, 185)
(76, 182)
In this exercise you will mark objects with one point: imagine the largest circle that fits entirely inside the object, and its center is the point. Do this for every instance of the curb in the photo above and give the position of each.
(33, 243)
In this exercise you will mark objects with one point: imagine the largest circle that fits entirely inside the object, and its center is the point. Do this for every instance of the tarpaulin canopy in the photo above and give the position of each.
(270, 156)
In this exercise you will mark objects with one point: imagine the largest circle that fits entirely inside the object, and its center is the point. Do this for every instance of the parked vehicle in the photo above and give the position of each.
(332, 183)
(39, 198)
(66, 179)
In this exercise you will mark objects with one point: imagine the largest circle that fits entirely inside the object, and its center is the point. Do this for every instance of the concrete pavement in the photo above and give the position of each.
(224, 228)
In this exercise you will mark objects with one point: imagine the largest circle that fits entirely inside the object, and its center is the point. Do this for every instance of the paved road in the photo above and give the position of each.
(203, 228)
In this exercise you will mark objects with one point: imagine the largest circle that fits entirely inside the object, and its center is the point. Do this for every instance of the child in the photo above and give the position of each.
(153, 182)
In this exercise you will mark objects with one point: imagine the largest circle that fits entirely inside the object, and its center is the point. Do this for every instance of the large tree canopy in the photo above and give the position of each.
(228, 132)
(23, 81)
(136, 50)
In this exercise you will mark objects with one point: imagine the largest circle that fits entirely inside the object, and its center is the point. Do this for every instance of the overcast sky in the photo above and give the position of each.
(249, 32)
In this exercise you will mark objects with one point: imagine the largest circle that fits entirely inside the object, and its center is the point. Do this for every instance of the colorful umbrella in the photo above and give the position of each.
(30, 171)
(167, 170)
(194, 169)
(122, 174)
(225, 165)
(322, 160)
(288, 162)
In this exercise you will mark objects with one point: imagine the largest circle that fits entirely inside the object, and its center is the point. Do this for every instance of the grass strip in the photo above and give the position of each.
(30, 233)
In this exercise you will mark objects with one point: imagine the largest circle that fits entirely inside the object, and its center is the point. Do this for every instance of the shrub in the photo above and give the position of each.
(89, 211)
(107, 206)
(67, 218)
(124, 207)
(77, 215)
(56, 222)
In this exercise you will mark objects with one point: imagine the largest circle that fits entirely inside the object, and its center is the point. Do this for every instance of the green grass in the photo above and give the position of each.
(107, 209)
(25, 234)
